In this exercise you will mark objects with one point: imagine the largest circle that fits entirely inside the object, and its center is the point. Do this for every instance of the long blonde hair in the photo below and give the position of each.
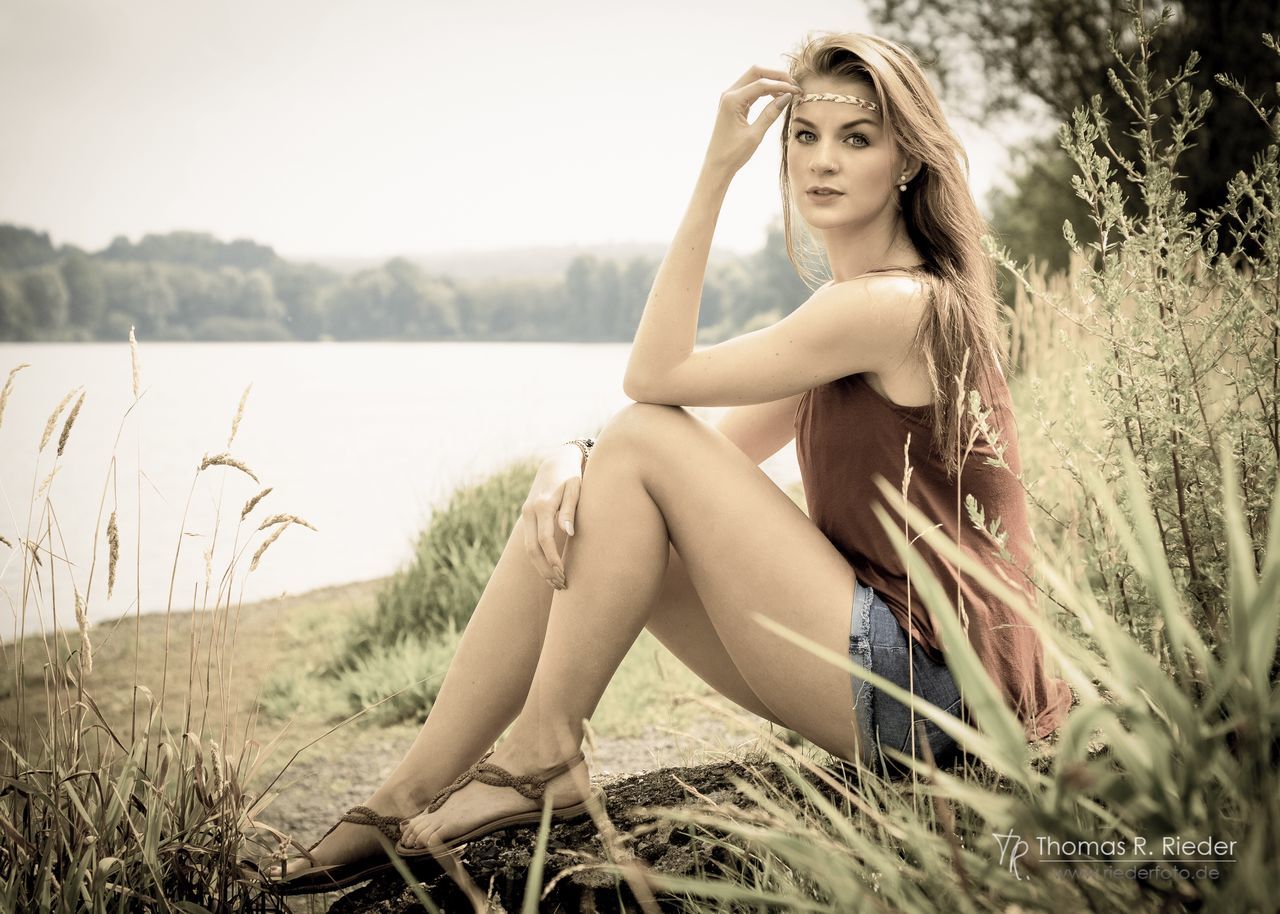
(959, 335)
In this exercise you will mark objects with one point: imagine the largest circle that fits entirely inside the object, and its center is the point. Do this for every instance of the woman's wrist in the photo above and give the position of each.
(715, 178)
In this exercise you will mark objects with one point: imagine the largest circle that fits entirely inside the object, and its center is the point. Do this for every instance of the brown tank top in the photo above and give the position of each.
(847, 434)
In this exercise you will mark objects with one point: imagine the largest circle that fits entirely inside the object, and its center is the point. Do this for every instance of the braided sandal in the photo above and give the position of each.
(332, 876)
(531, 786)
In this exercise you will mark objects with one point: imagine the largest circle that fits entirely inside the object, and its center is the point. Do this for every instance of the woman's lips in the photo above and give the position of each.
(829, 195)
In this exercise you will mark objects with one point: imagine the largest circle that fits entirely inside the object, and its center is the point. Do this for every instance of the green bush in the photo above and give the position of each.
(398, 682)
(452, 562)
(1164, 340)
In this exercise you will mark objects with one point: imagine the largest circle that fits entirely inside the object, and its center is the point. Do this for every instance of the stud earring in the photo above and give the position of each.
(903, 185)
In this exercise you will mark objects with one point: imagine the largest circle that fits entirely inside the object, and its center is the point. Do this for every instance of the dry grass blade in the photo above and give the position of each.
(35, 553)
(6, 542)
(53, 418)
(284, 519)
(226, 460)
(235, 423)
(113, 552)
(8, 385)
(253, 502)
(66, 426)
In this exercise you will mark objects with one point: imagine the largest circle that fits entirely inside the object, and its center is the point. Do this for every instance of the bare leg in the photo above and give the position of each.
(488, 681)
(614, 578)
(483, 690)
(659, 477)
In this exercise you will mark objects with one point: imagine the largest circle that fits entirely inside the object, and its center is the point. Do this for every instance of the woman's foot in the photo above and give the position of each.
(350, 841)
(476, 803)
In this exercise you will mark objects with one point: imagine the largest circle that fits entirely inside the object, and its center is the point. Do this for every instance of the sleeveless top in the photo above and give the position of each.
(847, 434)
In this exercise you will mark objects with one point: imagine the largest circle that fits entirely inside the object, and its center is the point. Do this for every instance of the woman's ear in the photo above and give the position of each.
(910, 167)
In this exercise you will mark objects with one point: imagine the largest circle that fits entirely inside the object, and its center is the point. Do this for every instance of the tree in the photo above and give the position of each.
(636, 282)
(45, 293)
(17, 323)
(1054, 55)
(88, 296)
(299, 287)
(579, 293)
(1027, 219)
(257, 299)
(20, 247)
(140, 295)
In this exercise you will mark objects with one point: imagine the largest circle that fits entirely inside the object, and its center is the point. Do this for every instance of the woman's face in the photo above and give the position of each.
(844, 147)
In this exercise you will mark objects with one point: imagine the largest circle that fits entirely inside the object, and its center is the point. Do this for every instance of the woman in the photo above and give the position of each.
(680, 531)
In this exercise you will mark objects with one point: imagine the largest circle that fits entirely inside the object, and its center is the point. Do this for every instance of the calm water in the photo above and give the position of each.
(362, 440)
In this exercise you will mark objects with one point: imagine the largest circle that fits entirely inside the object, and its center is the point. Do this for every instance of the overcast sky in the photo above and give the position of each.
(379, 127)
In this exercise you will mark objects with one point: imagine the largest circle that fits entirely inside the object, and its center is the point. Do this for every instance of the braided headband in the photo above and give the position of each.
(832, 97)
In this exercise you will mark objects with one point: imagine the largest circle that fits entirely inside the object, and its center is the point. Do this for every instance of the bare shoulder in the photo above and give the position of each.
(893, 301)
(895, 287)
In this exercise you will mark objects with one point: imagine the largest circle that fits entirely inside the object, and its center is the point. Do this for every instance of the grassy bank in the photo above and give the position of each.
(275, 657)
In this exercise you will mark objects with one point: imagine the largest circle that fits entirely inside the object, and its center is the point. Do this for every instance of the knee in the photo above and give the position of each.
(639, 423)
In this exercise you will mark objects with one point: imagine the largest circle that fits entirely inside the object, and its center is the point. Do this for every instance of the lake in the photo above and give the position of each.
(362, 440)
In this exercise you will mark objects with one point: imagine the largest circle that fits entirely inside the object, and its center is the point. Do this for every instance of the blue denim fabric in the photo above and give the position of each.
(879, 643)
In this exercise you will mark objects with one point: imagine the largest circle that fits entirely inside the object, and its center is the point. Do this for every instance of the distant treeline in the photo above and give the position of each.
(191, 286)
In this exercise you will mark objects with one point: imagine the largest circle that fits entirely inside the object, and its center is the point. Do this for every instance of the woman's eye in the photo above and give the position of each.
(862, 140)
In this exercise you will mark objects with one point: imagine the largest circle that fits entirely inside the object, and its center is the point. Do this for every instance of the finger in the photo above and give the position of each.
(756, 72)
(569, 507)
(529, 530)
(747, 95)
(770, 113)
(547, 540)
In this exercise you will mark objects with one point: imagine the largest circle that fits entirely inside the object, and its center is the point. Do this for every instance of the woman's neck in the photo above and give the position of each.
(852, 252)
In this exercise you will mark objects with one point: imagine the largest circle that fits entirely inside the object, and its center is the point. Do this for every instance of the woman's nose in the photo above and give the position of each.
(822, 161)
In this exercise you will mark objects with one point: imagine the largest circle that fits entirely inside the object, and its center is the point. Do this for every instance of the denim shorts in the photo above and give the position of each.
(878, 642)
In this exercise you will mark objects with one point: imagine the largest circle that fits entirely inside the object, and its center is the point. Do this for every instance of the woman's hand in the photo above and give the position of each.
(735, 139)
(551, 504)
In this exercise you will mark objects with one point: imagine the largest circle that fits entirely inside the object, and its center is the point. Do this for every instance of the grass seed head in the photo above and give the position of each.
(253, 502)
(66, 426)
(235, 423)
(265, 543)
(8, 385)
(86, 648)
(284, 519)
(113, 552)
(53, 418)
(133, 361)
(227, 460)
(48, 479)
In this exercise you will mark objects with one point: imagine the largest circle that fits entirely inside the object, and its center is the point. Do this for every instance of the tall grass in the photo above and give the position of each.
(95, 816)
